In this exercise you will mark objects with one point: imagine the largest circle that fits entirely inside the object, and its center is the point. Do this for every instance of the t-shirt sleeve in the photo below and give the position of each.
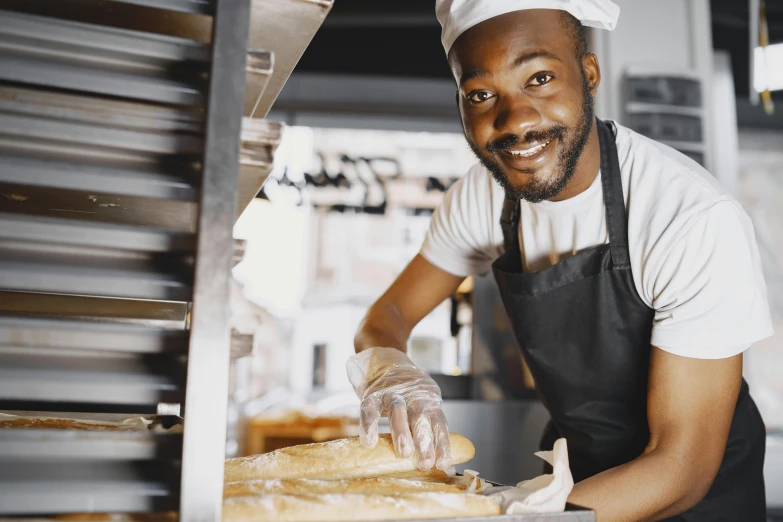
(710, 297)
(462, 238)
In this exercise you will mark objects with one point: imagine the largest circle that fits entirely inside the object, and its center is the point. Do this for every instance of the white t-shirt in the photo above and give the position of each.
(693, 251)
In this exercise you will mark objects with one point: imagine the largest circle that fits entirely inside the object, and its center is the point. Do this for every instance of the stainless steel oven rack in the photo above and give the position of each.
(124, 162)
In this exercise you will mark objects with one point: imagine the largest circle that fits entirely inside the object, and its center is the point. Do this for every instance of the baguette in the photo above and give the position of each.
(379, 485)
(337, 459)
(339, 508)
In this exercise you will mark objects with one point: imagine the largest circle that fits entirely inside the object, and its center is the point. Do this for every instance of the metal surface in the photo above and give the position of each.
(119, 162)
(186, 6)
(57, 53)
(92, 380)
(101, 111)
(32, 115)
(260, 64)
(43, 488)
(568, 516)
(14, 227)
(64, 446)
(82, 275)
(99, 207)
(142, 180)
(260, 139)
(150, 314)
(33, 333)
(285, 27)
(241, 345)
(210, 338)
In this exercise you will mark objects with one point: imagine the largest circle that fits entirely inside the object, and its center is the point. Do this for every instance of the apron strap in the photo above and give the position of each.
(509, 223)
(616, 219)
(611, 180)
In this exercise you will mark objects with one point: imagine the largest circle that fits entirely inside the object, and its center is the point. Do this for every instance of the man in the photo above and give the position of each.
(631, 278)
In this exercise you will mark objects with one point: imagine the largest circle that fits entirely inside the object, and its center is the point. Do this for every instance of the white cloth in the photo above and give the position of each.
(693, 251)
(543, 494)
(457, 16)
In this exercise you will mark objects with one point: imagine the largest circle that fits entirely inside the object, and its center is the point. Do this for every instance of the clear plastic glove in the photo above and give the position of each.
(390, 385)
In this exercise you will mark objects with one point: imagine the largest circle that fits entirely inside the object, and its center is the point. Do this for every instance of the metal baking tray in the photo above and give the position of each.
(36, 445)
(62, 54)
(186, 6)
(87, 487)
(82, 379)
(572, 514)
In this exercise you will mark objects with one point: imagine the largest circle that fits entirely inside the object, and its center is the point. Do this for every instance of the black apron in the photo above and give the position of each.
(585, 334)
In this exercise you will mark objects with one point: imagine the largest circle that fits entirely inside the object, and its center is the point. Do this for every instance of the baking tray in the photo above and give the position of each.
(572, 515)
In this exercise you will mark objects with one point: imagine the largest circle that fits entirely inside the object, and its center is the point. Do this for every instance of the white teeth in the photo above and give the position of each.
(530, 152)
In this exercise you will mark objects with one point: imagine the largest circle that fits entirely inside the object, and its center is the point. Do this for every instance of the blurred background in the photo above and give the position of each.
(373, 140)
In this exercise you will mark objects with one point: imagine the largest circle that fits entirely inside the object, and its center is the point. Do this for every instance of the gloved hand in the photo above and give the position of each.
(390, 385)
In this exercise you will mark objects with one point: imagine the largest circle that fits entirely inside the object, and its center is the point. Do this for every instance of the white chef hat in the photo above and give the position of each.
(457, 16)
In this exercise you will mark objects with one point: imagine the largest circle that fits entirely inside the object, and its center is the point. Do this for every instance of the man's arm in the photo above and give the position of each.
(387, 381)
(690, 406)
(418, 290)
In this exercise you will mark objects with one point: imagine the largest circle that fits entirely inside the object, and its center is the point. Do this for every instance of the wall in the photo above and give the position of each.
(761, 167)
(669, 35)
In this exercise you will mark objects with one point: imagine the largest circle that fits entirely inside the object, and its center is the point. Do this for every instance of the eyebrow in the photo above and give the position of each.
(520, 61)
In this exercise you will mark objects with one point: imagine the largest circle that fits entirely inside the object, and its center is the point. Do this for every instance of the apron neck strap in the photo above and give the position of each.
(509, 223)
(616, 218)
(611, 180)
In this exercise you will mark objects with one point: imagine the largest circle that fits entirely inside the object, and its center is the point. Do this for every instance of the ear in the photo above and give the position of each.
(592, 72)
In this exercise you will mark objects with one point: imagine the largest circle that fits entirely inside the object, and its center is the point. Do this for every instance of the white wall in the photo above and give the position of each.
(761, 164)
(671, 35)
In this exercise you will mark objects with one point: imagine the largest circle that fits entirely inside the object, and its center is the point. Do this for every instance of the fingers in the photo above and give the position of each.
(423, 441)
(369, 415)
(400, 429)
(440, 431)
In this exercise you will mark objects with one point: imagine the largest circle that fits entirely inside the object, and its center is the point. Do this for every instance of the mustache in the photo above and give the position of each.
(506, 142)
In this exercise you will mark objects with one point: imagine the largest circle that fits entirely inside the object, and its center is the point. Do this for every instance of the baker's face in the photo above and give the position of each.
(526, 100)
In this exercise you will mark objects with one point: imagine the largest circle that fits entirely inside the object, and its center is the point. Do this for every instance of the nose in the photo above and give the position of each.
(516, 115)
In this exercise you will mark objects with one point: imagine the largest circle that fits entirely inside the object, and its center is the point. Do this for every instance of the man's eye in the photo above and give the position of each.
(542, 79)
(478, 97)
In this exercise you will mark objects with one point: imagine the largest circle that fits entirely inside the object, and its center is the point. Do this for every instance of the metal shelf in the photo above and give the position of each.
(97, 207)
(260, 139)
(165, 315)
(71, 55)
(14, 227)
(50, 73)
(32, 333)
(65, 446)
(118, 179)
(286, 28)
(51, 488)
(48, 129)
(642, 107)
(206, 7)
(73, 276)
(90, 380)
(146, 180)
(259, 69)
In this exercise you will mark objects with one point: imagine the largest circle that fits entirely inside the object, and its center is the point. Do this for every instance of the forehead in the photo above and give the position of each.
(497, 42)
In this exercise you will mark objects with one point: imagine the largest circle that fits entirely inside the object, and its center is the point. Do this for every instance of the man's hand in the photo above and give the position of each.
(390, 385)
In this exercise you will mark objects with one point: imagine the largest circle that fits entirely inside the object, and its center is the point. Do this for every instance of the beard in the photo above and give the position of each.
(572, 144)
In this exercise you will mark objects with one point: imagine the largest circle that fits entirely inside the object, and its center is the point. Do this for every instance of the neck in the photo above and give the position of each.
(587, 169)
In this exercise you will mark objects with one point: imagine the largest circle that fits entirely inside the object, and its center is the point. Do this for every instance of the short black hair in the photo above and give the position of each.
(577, 32)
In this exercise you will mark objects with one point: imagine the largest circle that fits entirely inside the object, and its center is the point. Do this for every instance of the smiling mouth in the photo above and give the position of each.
(531, 152)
